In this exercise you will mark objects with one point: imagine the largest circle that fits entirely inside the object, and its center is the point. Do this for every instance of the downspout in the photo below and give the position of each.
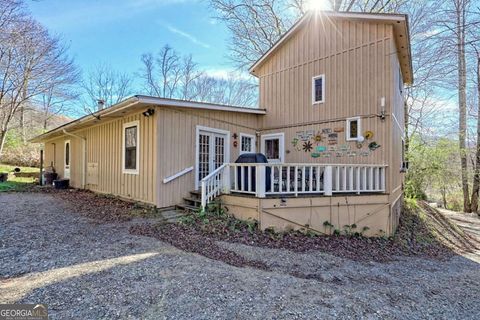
(84, 142)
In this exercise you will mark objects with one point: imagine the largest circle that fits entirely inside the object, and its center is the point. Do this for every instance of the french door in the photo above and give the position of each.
(212, 152)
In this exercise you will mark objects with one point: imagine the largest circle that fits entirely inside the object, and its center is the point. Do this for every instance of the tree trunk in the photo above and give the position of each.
(3, 136)
(462, 105)
(444, 197)
(476, 175)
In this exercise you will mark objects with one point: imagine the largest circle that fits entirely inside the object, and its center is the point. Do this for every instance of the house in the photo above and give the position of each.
(330, 122)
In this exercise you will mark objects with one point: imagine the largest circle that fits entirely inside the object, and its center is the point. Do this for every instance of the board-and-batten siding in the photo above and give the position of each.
(176, 141)
(356, 59)
(104, 148)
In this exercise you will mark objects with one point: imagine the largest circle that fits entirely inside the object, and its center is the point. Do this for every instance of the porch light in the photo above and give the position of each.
(148, 113)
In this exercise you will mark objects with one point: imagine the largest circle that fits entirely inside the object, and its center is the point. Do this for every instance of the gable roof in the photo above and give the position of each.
(139, 102)
(400, 30)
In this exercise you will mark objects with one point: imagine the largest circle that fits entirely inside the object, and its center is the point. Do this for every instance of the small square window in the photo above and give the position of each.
(353, 131)
(247, 143)
(318, 89)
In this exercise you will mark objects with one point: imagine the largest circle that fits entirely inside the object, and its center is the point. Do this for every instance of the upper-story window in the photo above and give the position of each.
(247, 143)
(318, 89)
(354, 129)
(130, 147)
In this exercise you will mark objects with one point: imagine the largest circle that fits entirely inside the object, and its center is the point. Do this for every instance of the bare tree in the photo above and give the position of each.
(232, 90)
(255, 25)
(161, 74)
(105, 84)
(189, 73)
(31, 62)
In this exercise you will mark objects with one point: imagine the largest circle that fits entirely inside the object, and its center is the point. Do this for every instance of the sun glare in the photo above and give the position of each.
(318, 5)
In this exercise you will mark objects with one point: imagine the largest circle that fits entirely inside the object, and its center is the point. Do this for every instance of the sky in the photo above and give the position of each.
(117, 32)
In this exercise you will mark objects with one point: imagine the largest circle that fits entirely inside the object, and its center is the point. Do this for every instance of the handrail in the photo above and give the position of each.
(214, 172)
(177, 175)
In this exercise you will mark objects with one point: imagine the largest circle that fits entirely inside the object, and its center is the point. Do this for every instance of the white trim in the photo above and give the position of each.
(197, 105)
(177, 175)
(65, 159)
(254, 141)
(399, 126)
(320, 76)
(226, 150)
(359, 128)
(135, 123)
(281, 151)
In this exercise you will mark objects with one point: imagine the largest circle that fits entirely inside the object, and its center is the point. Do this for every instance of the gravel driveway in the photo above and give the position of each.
(84, 269)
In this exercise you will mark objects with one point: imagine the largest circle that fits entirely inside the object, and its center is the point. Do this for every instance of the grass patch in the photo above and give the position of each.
(9, 168)
(17, 184)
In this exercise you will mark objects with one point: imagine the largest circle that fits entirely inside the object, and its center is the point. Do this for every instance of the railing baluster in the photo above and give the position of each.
(272, 179)
(303, 178)
(249, 178)
(310, 179)
(288, 179)
(318, 172)
(296, 181)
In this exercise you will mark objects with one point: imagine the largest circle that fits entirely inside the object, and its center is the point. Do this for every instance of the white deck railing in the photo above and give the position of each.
(262, 179)
(215, 183)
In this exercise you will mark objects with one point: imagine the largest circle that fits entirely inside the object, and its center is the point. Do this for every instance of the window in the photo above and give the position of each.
(273, 147)
(354, 129)
(67, 153)
(247, 143)
(318, 89)
(130, 147)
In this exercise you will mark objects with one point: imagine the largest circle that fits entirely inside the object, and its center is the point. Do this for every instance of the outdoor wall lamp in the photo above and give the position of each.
(148, 113)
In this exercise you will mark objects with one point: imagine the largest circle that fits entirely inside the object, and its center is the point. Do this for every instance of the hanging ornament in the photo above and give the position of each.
(318, 138)
(373, 146)
(368, 134)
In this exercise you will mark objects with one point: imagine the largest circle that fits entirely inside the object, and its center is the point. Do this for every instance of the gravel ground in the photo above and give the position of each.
(85, 269)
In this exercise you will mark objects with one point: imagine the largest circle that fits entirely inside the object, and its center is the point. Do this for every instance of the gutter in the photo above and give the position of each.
(84, 152)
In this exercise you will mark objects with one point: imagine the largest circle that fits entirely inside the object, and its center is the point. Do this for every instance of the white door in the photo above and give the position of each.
(67, 157)
(212, 152)
(272, 147)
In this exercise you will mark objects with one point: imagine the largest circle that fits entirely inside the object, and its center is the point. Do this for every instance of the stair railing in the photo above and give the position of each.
(214, 184)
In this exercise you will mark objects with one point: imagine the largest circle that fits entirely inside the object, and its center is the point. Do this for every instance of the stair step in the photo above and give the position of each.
(196, 193)
(194, 200)
(187, 207)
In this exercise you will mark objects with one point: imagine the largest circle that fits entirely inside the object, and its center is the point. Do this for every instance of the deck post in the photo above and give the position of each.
(327, 180)
(260, 180)
(203, 190)
(226, 180)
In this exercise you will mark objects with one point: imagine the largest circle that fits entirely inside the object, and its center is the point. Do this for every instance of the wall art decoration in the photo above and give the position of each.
(296, 145)
(320, 148)
(344, 147)
(332, 148)
(326, 131)
(317, 138)
(305, 135)
(315, 155)
(326, 154)
(307, 146)
(373, 146)
(338, 129)
(339, 154)
(359, 145)
(368, 134)
(332, 136)
(352, 153)
(364, 153)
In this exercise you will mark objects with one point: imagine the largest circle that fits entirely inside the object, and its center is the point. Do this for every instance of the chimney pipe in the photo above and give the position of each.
(100, 104)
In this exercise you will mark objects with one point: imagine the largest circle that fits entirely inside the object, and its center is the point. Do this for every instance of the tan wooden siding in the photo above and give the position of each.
(356, 59)
(104, 148)
(176, 140)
